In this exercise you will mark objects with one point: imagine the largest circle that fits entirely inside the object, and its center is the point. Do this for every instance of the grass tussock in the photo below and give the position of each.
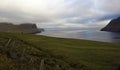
(32, 52)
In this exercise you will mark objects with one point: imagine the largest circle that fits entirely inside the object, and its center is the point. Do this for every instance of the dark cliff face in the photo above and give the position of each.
(23, 28)
(113, 26)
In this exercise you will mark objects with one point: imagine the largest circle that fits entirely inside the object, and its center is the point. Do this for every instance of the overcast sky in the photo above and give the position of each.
(60, 13)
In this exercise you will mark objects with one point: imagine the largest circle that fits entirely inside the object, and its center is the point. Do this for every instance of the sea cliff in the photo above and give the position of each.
(21, 28)
(113, 26)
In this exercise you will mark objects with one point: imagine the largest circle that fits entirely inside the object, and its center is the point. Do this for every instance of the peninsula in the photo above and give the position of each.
(21, 28)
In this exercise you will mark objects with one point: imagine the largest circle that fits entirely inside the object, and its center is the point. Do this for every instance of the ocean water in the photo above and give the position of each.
(86, 34)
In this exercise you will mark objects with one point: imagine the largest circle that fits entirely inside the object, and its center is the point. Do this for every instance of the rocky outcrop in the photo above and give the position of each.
(113, 26)
(22, 28)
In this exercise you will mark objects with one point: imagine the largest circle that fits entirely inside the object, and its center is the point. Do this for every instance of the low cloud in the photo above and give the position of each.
(60, 13)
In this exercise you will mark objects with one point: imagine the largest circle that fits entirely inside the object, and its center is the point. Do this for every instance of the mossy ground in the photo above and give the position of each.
(33, 52)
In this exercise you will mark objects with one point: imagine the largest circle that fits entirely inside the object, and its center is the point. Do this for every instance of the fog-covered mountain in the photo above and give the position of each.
(113, 26)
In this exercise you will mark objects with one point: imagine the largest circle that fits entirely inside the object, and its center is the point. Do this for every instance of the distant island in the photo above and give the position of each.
(113, 26)
(21, 28)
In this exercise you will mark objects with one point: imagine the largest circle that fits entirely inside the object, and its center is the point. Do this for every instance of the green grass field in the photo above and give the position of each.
(36, 52)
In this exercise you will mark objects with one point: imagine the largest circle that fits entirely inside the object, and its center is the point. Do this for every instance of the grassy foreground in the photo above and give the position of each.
(32, 52)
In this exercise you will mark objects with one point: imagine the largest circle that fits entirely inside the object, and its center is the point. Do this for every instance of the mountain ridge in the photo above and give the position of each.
(21, 28)
(113, 25)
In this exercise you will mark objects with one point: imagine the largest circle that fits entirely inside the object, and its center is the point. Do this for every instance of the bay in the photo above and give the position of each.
(86, 34)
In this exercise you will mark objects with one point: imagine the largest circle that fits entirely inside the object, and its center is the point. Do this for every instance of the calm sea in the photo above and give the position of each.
(87, 34)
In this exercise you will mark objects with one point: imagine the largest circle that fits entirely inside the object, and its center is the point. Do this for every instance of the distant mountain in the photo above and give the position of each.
(113, 26)
(22, 28)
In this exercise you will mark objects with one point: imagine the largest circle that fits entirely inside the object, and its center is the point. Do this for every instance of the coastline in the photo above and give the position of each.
(101, 36)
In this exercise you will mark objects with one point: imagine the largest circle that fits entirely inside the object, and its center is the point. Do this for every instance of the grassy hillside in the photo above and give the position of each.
(32, 52)
(21, 28)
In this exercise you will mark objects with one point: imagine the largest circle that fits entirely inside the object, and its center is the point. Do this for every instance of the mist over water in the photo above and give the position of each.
(87, 34)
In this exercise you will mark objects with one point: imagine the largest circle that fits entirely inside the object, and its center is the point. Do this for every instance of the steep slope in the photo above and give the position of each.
(22, 28)
(32, 52)
(17, 54)
(113, 26)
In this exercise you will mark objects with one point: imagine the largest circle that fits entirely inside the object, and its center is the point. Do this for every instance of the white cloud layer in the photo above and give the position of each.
(60, 13)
